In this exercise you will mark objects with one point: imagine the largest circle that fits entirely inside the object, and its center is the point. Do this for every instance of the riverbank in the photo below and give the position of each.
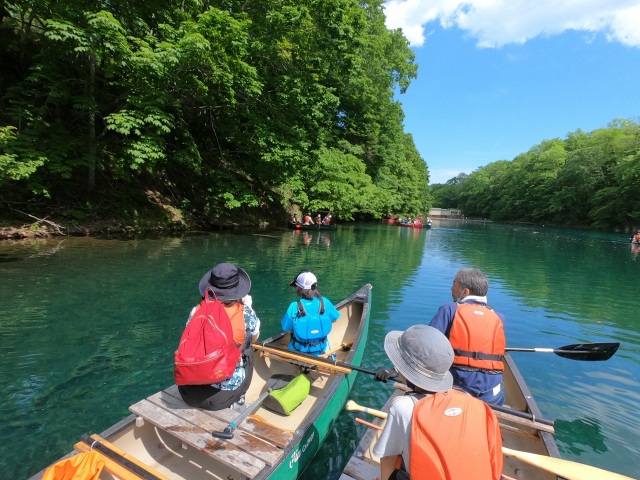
(21, 225)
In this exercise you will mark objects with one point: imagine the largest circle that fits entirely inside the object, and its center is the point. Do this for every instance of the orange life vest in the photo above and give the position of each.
(477, 337)
(236, 316)
(454, 437)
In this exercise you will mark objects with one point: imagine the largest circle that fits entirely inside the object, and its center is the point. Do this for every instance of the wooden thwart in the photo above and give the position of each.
(308, 359)
(326, 369)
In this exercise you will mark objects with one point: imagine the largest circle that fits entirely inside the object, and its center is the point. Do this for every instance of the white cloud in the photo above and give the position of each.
(494, 23)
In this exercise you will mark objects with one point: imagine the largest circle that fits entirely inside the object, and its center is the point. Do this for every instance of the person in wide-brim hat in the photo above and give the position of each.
(231, 285)
(227, 281)
(423, 355)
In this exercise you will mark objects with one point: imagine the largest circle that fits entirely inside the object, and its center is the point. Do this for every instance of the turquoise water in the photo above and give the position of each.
(88, 326)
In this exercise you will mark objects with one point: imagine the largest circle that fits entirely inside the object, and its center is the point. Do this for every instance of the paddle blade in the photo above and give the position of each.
(588, 351)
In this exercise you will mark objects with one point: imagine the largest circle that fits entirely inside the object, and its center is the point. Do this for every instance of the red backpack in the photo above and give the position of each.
(206, 353)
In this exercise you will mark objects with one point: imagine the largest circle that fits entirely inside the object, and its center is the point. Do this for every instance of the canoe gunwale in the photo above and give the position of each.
(532, 406)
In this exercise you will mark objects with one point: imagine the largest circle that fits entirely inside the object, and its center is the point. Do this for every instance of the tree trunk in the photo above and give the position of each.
(91, 179)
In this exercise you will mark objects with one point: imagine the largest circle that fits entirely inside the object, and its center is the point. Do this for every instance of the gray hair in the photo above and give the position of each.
(473, 279)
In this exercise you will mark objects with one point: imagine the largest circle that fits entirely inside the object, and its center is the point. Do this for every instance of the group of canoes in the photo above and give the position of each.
(308, 223)
(164, 438)
(413, 223)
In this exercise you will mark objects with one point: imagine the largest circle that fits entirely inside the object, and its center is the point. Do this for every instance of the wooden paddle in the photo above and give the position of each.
(340, 367)
(563, 468)
(580, 351)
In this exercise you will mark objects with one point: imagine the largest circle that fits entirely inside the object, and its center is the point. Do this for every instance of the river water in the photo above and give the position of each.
(89, 326)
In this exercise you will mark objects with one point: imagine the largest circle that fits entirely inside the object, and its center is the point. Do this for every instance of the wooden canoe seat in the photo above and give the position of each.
(256, 444)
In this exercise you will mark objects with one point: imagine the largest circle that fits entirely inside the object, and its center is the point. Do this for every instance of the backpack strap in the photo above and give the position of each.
(301, 311)
(213, 298)
(321, 310)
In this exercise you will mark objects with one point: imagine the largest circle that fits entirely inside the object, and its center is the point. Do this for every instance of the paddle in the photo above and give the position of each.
(310, 359)
(563, 468)
(579, 351)
(274, 383)
(507, 413)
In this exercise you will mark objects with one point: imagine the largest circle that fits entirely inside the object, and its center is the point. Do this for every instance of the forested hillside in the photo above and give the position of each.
(588, 179)
(213, 109)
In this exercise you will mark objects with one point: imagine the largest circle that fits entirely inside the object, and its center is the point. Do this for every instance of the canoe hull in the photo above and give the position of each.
(174, 440)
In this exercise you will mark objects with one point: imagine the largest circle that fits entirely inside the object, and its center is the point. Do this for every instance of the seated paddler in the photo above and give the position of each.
(310, 318)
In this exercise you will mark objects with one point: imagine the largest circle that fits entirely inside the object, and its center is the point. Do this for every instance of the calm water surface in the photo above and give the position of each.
(88, 326)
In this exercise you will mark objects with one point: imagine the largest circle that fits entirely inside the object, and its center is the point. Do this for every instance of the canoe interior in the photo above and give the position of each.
(363, 465)
(175, 441)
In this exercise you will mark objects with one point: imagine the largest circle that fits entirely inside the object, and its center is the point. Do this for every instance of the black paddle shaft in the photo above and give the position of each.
(274, 383)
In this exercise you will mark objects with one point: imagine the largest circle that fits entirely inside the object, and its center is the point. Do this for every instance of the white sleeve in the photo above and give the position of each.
(394, 439)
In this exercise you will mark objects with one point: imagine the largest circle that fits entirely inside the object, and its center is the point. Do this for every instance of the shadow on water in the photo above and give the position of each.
(581, 435)
(4, 258)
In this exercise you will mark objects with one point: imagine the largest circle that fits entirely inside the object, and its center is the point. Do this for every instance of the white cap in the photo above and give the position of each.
(305, 280)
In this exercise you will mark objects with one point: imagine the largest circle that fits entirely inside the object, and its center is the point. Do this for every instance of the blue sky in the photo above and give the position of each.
(497, 77)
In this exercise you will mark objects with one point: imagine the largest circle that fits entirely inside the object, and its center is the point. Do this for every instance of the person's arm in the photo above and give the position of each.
(251, 319)
(443, 319)
(287, 320)
(330, 310)
(387, 466)
(394, 439)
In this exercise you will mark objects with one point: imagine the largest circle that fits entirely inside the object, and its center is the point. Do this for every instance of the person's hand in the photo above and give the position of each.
(383, 375)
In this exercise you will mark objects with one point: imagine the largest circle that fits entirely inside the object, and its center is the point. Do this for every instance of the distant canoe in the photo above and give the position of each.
(301, 226)
(412, 225)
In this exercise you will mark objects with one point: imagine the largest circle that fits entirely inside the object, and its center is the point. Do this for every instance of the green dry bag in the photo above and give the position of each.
(286, 399)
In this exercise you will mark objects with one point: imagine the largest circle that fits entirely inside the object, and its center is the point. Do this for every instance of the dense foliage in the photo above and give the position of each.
(588, 179)
(209, 106)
